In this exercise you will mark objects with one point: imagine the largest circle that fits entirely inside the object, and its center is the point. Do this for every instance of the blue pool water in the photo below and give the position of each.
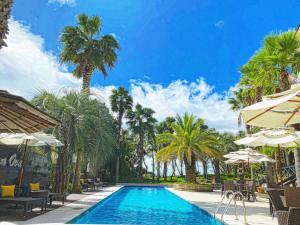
(145, 205)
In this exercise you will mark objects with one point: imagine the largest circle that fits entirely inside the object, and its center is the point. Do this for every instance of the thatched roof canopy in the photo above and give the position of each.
(17, 115)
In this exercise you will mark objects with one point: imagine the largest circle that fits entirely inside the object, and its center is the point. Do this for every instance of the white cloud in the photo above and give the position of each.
(220, 24)
(63, 2)
(181, 96)
(26, 68)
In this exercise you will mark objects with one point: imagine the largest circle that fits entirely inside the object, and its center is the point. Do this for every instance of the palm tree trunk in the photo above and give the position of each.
(153, 165)
(86, 81)
(119, 147)
(158, 171)
(284, 80)
(140, 155)
(165, 171)
(76, 184)
(190, 170)
(258, 94)
(216, 163)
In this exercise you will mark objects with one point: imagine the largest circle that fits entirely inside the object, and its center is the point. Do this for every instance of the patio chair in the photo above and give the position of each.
(228, 185)
(249, 190)
(278, 206)
(290, 217)
(292, 196)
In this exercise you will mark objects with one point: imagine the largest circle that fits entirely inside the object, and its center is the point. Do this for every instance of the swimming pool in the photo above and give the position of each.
(145, 205)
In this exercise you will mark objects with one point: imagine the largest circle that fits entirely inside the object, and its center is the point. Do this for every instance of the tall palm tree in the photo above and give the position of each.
(5, 9)
(87, 50)
(121, 102)
(86, 129)
(189, 142)
(283, 55)
(141, 121)
(162, 127)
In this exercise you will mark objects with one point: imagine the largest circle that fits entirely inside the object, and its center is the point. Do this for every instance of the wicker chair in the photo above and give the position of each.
(280, 210)
(228, 185)
(293, 216)
(292, 196)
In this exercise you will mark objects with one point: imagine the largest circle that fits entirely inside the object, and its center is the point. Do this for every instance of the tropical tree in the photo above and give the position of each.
(86, 129)
(121, 102)
(141, 121)
(87, 50)
(5, 9)
(189, 142)
(162, 127)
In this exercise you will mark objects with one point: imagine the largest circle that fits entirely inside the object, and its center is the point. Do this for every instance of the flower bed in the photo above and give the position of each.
(194, 187)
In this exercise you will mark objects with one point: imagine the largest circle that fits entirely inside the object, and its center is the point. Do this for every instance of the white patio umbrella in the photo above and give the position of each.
(274, 138)
(275, 111)
(35, 139)
(246, 155)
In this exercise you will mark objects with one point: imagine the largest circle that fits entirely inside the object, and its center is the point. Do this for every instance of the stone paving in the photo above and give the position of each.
(257, 212)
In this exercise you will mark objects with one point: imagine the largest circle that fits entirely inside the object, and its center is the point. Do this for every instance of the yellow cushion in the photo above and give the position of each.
(34, 186)
(8, 190)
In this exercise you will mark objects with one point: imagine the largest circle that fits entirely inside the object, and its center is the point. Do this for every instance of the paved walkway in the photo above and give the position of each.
(257, 212)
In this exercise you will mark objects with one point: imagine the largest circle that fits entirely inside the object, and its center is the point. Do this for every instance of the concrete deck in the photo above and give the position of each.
(257, 212)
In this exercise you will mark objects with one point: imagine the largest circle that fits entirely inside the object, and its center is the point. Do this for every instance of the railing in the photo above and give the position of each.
(234, 196)
(289, 171)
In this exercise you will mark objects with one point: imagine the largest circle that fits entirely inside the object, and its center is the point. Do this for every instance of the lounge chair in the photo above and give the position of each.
(279, 209)
(26, 202)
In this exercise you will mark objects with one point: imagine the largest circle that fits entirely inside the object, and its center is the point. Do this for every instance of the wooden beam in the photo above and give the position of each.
(24, 121)
(19, 119)
(27, 113)
(260, 114)
(25, 118)
(17, 125)
(291, 116)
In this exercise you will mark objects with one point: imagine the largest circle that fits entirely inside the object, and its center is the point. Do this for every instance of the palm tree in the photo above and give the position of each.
(86, 129)
(283, 56)
(162, 127)
(189, 142)
(141, 121)
(5, 9)
(88, 51)
(121, 102)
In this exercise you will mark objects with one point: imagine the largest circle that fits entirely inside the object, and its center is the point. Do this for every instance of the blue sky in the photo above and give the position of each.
(166, 40)
(176, 56)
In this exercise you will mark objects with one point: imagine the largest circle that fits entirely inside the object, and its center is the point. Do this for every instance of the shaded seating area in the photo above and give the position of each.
(247, 188)
(91, 184)
(286, 205)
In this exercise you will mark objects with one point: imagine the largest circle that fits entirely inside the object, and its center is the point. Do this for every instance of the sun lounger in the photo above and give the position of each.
(26, 202)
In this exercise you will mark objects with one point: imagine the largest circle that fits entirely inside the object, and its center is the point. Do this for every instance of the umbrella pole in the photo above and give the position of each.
(279, 163)
(243, 169)
(22, 166)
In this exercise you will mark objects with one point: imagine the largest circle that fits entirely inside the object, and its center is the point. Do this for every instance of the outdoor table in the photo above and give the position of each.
(53, 195)
(25, 201)
(42, 194)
